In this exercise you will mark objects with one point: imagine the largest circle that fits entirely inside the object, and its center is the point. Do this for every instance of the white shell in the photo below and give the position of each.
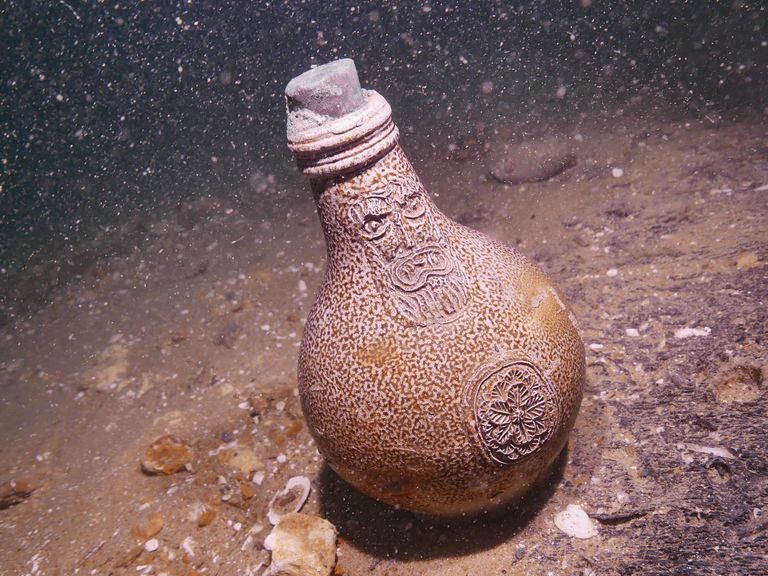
(289, 499)
(575, 522)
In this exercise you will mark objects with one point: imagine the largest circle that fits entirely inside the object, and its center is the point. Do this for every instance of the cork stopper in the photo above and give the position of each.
(332, 89)
(334, 127)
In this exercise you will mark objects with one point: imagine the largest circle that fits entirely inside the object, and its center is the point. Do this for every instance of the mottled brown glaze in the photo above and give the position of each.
(439, 370)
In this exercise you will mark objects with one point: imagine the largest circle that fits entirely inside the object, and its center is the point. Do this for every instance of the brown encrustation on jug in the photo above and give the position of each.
(440, 370)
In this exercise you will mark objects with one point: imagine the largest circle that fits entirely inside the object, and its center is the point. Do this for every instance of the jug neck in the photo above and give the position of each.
(383, 206)
(382, 229)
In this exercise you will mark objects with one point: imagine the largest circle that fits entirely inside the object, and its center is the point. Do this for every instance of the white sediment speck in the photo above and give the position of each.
(617, 172)
(188, 546)
(632, 332)
(302, 286)
(595, 346)
(688, 332)
(612, 272)
(575, 522)
(151, 545)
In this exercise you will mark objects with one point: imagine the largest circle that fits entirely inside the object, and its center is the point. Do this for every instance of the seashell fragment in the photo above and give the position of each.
(302, 545)
(289, 499)
(575, 522)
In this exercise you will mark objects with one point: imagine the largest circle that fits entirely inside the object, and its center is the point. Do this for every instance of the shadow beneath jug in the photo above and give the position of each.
(383, 531)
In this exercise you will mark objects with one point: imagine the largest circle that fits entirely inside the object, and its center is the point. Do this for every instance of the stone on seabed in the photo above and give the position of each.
(167, 455)
(302, 545)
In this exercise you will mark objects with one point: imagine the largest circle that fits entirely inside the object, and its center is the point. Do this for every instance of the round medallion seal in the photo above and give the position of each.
(515, 410)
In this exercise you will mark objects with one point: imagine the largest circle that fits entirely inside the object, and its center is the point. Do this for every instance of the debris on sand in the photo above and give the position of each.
(575, 522)
(203, 515)
(167, 455)
(533, 161)
(747, 260)
(739, 384)
(302, 545)
(15, 492)
(717, 451)
(682, 333)
(289, 500)
(241, 458)
(110, 370)
(152, 528)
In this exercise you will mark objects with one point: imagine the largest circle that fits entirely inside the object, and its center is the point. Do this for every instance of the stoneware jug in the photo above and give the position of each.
(439, 370)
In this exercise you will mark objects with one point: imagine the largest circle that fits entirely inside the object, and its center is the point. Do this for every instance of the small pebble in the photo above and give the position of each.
(595, 346)
(167, 455)
(302, 545)
(151, 545)
(612, 272)
(632, 332)
(617, 172)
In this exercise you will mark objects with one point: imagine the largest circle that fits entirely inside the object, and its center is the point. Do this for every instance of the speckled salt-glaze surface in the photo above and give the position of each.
(439, 369)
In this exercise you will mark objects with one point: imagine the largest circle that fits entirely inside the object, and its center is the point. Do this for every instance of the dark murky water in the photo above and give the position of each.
(115, 112)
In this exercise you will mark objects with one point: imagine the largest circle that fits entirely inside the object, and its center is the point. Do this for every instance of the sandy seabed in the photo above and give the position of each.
(659, 238)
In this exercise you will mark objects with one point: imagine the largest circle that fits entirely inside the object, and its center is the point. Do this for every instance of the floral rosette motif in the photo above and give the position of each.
(516, 412)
